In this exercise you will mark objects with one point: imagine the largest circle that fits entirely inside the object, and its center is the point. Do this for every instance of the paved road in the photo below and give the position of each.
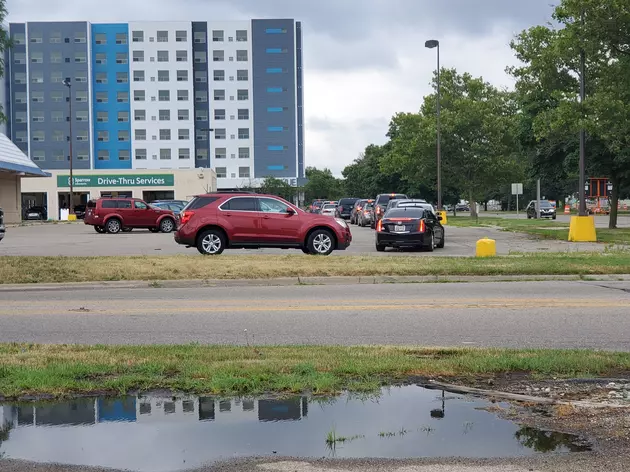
(510, 314)
(81, 240)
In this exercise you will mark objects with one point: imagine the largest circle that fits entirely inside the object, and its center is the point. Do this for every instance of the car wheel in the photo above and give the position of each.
(99, 229)
(431, 245)
(380, 248)
(372, 225)
(113, 226)
(440, 245)
(211, 243)
(321, 242)
(553, 217)
(167, 225)
(305, 250)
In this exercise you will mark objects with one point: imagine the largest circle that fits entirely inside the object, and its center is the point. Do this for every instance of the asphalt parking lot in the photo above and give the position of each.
(77, 239)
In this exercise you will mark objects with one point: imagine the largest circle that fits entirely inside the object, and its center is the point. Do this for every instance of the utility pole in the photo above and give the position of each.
(68, 84)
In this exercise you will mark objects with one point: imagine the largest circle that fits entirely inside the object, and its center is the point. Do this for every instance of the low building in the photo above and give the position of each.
(53, 192)
(14, 165)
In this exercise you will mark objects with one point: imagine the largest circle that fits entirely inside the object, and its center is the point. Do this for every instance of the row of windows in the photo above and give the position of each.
(55, 38)
(141, 154)
(60, 155)
(182, 115)
(181, 36)
(218, 36)
(37, 77)
(55, 57)
(55, 97)
(165, 76)
(243, 173)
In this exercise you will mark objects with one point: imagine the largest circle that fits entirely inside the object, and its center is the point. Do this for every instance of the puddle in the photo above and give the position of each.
(157, 433)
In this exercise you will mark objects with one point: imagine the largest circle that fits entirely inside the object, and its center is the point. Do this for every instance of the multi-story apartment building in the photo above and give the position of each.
(158, 96)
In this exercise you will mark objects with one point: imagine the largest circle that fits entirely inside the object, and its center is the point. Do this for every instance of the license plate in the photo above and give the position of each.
(400, 229)
(33, 214)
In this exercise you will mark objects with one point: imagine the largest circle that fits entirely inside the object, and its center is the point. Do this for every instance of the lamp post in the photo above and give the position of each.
(68, 84)
(431, 44)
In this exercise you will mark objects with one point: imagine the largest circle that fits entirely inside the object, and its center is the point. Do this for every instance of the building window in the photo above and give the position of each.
(37, 116)
(139, 115)
(123, 117)
(20, 77)
(162, 36)
(276, 50)
(184, 153)
(276, 70)
(121, 38)
(122, 77)
(137, 36)
(100, 58)
(276, 109)
(80, 37)
(141, 154)
(202, 154)
(241, 55)
(102, 136)
(139, 95)
(82, 136)
(101, 77)
(101, 97)
(123, 135)
(163, 76)
(219, 75)
(183, 115)
(276, 89)
(182, 95)
(243, 133)
(99, 38)
(201, 135)
(181, 56)
(181, 36)
(20, 58)
(81, 78)
(199, 37)
(80, 58)
(56, 116)
(20, 137)
(39, 156)
(275, 30)
(140, 135)
(58, 136)
(60, 155)
(201, 115)
(82, 156)
(182, 76)
(138, 56)
(242, 94)
(220, 153)
(82, 116)
(242, 75)
(81, 96)
(243, 114)
(162, 56)
(55, 57)
(37, 77)
(38, 97)
(219, 95)
(102, 117)
(20, 97)
(201, 96)
(243, 153)
(19, 39)
(243, 172)
(219, 133)
(218, 55)
(164, 95)
(217, 36)
(165, 154)
(20, 117)
(138, 76)
(123, 155)
(219, 114)
(36, 38)
(122, 58)
(200, 57)
(201, 76)
(56, 97)
(183, 134)
(165, 134)
(241, 35)
(221, 172)
(165, 115)
(122, 97)
(103, 155)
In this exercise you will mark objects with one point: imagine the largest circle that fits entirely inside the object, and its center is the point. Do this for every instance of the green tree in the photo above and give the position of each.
(279, 187)
(322, 184)
(366, 178)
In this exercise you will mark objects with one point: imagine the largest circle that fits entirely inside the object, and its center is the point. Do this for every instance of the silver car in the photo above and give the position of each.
(329, 209)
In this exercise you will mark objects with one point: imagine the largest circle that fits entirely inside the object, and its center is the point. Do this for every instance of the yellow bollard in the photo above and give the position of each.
(582, 229)
(486, 247)
(442, 217)
(72, 217)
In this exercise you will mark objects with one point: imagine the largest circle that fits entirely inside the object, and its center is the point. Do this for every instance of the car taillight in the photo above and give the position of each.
(185, 216)
(421, 226)
(379, 226)
(359, 208)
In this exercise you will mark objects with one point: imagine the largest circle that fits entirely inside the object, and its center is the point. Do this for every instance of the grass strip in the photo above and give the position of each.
(27, 269)
(63, 370)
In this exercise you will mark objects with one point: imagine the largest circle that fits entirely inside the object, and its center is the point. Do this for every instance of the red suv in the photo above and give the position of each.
(215, 222)
(113, 215)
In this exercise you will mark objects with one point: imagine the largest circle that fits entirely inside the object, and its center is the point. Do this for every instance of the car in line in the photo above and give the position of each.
(329, 209)
(364, 217)
(358, 207)
(113, 215)
(2, 227)
(409, 227)
(35, 212)
(215, 222)
(345, 206)
(381, 203)
(176, 206)
(397, 202)
(79, 211)
(547, 210)
(316, 206)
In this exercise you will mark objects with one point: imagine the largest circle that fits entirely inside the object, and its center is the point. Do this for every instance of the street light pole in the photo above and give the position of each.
(434, 43)
(582, 211)
(68, 84)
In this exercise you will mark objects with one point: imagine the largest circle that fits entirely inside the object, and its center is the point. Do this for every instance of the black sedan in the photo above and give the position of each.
(409, 227)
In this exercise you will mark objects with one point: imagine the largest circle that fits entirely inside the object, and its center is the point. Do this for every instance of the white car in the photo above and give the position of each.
(329, 209)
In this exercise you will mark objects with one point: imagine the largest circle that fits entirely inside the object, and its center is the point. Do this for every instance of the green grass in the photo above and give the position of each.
(62, 370)
(546, 229)
(20, 270)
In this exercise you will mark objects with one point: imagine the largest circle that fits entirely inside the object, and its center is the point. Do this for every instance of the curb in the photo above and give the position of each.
(292, 281)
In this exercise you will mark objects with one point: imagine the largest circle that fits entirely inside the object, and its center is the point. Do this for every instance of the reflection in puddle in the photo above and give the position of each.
(157, 433)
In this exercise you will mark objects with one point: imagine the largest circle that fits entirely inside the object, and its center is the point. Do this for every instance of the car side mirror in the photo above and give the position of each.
(290, 211)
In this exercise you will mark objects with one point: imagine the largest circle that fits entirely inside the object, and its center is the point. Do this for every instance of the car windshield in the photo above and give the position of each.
(545, 205)
(427, 206)
(369, 206)
(384, 199)
(409, 212)
(347, 201)
(329, 206)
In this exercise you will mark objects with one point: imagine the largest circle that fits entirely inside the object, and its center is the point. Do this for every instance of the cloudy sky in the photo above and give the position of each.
(364, 59)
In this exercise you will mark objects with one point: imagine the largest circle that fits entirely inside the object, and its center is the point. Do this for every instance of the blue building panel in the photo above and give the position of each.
(110, 116)
(201, 85)
(274, 98)
(17, 87)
